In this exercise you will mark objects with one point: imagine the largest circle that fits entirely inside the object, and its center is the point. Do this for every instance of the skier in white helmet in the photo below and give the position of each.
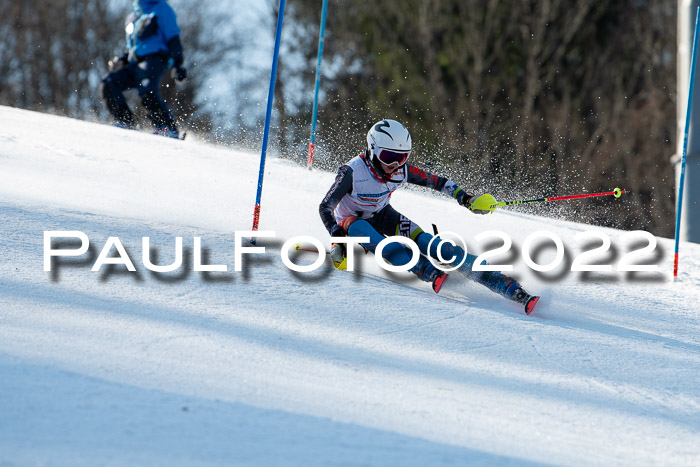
(357, 205)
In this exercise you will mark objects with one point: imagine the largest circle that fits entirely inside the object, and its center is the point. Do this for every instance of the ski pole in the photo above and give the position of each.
(616, 193)
(311, 250)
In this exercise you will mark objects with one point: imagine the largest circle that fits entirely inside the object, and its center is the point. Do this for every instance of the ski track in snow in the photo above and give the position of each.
(270, 367)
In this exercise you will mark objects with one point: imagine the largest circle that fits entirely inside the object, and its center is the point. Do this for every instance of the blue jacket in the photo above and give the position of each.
(149, 28)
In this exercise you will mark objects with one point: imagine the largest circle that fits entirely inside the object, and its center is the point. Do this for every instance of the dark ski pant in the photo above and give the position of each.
(144, 76)
(389, 222)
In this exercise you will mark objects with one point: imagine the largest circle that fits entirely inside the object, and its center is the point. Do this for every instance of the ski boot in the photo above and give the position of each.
(167, 131)
(520, 296)
(429, 273)
(439, 280)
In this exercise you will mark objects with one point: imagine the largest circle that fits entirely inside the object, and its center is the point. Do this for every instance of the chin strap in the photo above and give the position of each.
(376, 169)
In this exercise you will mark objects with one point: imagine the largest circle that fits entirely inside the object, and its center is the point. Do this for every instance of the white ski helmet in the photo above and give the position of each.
(389, 142)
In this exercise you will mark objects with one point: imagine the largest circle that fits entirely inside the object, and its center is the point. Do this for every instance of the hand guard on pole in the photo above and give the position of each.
(484, 204)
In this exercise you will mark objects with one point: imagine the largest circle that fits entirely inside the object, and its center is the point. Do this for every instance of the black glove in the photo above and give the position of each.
(117, 62)
(338, 250)
(179, 74)
(463, 197)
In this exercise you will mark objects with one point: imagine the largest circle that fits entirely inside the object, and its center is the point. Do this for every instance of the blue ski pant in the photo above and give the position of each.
(145, 76)
(389, 222)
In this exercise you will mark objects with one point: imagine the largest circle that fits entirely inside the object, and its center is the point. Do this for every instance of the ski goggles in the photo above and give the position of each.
(392, 157)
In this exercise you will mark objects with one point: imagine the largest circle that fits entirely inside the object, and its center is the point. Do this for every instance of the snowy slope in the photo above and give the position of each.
(270, 367)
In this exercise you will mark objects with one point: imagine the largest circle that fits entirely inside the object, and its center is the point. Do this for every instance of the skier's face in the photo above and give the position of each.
(389, 168)
(392, 160)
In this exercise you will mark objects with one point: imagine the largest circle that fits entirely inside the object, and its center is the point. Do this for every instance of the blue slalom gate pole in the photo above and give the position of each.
(266, 133)
(312, 144)
(681, 183)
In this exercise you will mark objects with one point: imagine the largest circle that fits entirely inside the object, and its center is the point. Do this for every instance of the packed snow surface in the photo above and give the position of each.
(266, 366)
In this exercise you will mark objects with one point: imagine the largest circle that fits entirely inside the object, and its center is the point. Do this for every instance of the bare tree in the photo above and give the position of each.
(55, 53)
(519, 98)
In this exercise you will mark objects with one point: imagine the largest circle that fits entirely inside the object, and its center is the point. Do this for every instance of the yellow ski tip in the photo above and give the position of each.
(343, 265)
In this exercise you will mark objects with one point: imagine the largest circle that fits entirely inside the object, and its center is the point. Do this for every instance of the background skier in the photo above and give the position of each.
(153, 45)
(357, 205)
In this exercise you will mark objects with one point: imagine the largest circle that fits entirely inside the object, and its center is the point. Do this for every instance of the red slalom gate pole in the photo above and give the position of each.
(310, 156)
